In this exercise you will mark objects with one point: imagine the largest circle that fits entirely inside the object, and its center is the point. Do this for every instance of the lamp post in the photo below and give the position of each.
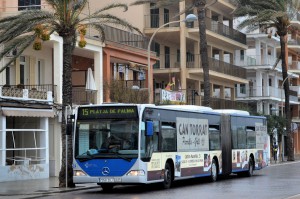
(189, 18)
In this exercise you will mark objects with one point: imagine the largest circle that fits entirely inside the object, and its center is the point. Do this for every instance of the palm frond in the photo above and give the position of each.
(20, 25)
(111, 6)
(109, 19)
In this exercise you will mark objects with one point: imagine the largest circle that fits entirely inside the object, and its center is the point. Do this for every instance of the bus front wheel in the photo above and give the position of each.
(167, 176)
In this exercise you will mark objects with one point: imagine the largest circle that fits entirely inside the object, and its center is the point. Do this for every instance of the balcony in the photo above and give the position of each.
(44, 93)
(294, 65)
(258, 60)
(81, 96)
(157, 20)
(295, 89)
(266, 92)
(219, 66)
(217, 103)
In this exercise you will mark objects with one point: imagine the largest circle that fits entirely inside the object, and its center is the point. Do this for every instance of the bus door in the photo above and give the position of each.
(226, 144)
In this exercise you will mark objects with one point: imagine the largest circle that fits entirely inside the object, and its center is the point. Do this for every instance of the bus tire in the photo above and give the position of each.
(214, 171)
(107, 187)
(168, 179)
(250, 169)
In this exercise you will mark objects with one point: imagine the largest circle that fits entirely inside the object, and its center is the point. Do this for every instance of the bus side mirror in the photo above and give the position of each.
(149, 128)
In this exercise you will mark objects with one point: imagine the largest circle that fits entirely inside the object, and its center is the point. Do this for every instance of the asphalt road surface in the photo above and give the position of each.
(273, 182)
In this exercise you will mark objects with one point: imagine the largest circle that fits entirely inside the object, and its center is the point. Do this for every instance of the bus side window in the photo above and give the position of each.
(251, 138)
(214, 139)
(168, 135)
(241, 137)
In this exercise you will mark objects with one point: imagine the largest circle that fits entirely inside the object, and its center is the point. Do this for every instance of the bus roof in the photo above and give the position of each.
(192, 108)
(232, 112)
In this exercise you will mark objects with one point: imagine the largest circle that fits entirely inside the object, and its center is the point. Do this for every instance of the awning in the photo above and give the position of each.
(23, 112)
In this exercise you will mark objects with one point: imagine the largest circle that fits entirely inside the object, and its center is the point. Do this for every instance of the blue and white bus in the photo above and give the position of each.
(142, 144)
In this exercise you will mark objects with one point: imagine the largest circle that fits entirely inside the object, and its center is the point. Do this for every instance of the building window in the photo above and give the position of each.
(243, 88)
(7, 71)
(29, 5)
(156, 48)
(167, 57)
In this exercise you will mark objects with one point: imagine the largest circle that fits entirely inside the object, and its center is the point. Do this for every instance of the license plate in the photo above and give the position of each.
(109, 180)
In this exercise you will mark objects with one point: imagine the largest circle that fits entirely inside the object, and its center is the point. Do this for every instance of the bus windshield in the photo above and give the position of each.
(106, 138)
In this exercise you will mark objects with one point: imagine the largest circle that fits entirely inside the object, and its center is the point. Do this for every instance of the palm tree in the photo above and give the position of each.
(200, 5)
(67, 20)
(275, 14)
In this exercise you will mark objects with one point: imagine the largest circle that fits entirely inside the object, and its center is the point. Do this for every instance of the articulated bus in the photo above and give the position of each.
(142, 144)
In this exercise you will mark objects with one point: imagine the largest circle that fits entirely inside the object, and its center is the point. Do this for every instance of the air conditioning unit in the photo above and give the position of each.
(11, 53)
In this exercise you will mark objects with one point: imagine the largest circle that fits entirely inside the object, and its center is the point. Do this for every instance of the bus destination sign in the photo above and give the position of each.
(105, 112)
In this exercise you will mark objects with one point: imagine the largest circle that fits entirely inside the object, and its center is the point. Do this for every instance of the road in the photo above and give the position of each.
(276, 182)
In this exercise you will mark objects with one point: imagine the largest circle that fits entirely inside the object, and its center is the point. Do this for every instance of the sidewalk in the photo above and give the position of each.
(37, 187)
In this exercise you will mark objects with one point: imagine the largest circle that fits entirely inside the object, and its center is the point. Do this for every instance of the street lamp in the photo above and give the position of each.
(189, 18)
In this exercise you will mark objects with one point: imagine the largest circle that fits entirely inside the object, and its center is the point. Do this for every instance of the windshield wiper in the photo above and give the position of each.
(85, 157)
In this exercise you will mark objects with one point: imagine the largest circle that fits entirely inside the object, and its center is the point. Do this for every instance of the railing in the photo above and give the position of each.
(46, 92)
(294, 65)
(293, 42)
(156, 20)
(266, 91)
(81, 96)
(217, 103)
(258, 60)
(220, 66)
(296, 89)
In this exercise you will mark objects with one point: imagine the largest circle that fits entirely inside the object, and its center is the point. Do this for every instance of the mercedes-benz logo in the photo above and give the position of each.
(105, 171)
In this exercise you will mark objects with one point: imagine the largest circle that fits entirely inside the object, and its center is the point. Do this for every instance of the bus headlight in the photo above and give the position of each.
(79, 173)
(136, 173)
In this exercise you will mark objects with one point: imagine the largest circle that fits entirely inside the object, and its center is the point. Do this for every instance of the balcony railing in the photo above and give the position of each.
(157, 20)
(46, 92)
(217, 103)
(81, 96)
(265, 91)
(258, 60)
(293, 42)
(220, 66)
(294, 65)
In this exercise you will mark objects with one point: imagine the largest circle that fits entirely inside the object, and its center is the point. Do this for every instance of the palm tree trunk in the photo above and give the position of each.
(67, 101)
(284, 56)
(200, 5)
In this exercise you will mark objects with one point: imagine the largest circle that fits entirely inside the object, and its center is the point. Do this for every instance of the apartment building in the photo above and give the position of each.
(31, 92)
(177, 46)
(265, 93)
